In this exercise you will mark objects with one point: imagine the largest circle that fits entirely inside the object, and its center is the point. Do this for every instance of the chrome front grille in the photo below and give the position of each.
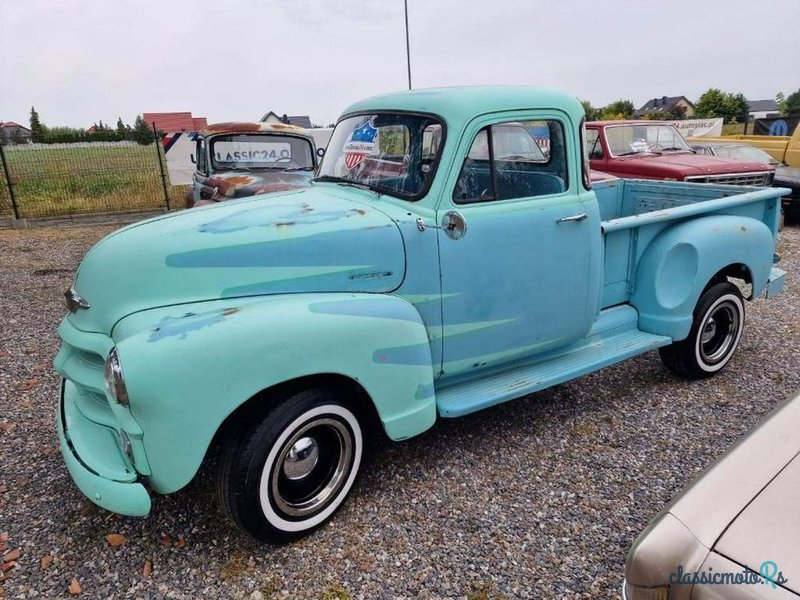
(763, 178)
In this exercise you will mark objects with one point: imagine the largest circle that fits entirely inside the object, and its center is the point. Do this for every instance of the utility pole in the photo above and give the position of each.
(408, 45)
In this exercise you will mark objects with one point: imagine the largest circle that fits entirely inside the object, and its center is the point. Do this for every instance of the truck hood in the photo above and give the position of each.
(768, 529)
(320, 239)
(691, 164)
(236, 184)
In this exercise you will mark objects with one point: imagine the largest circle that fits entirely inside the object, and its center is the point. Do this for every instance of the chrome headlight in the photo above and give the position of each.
(115, 383)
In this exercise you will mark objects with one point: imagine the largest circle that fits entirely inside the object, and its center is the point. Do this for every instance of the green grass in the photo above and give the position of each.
(65, 181)
(735, 128)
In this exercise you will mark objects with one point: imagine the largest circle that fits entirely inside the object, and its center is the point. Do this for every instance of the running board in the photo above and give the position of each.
(600, 349)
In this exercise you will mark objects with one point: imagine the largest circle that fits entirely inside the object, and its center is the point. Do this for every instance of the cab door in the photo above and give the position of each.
(520, 279)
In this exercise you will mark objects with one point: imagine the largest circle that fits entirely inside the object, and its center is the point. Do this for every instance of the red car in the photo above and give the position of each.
(655, 150)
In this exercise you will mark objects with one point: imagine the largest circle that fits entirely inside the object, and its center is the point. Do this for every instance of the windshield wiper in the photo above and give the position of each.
(298, 168)
(348, 182)
(674, 149)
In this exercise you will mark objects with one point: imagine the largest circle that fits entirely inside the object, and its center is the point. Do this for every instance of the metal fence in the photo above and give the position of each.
(47, 180)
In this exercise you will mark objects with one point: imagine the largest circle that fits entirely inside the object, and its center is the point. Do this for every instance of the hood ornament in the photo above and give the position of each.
(74, 301)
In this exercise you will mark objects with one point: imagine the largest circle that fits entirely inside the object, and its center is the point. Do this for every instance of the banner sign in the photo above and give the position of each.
(776, 125)
(694, 128)
(178, 150)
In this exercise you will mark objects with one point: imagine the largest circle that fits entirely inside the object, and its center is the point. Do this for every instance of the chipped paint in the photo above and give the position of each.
(293, 214)
(180, 327)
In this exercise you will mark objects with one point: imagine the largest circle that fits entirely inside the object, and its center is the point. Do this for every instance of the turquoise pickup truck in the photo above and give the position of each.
(451, 254)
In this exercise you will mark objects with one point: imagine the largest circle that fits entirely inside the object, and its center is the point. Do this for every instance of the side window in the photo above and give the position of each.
(517, 159)
(200, 153)
(431, 142)
(475, 181)
(593, 144)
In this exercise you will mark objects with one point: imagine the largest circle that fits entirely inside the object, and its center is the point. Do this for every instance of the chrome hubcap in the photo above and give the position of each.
(311, 467)
(718, 334)
(302, 459)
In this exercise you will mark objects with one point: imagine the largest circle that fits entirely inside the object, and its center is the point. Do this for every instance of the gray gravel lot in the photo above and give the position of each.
(539, 498)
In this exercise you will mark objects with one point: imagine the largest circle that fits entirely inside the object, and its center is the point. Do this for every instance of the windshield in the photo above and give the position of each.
(395, 153)
(261, 151)
(748, 153)
(626, 140)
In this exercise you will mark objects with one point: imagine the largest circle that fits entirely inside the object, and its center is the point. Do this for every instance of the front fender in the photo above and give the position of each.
(676, 267)
(189, 367)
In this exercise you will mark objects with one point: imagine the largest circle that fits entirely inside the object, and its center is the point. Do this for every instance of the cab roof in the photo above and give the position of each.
(251, 127)
(462, 104)
(627, 122)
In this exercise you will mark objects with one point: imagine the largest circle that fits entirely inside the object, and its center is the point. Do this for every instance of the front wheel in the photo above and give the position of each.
(287, 474)
(716, 330)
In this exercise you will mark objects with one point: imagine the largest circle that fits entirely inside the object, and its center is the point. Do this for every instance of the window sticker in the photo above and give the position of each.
(640, 145)
(360, 145)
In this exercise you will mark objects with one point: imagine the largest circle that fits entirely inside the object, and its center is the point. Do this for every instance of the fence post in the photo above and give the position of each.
(161, 164)
(8, 181)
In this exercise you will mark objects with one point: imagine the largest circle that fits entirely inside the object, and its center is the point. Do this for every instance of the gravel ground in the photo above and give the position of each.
(537, 498)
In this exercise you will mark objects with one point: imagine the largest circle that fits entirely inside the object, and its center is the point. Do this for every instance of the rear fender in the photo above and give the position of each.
(192, 366)
(682, 260)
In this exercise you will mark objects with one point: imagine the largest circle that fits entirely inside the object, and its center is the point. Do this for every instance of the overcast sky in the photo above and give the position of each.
(79, 61)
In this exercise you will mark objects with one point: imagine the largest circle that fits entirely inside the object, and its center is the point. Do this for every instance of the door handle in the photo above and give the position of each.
(579, 217)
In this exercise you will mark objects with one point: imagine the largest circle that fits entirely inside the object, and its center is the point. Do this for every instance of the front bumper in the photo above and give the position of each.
(95, 462)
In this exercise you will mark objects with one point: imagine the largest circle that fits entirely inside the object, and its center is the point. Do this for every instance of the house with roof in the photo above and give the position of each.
(303, 121)
(761, 109)
(14, 132)
(173, 122)
(666, 104)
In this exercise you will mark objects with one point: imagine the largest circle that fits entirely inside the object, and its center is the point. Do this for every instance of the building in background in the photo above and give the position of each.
(667, 104)
(761, 109)
(173, 122)
(14, 133)
(299, 120)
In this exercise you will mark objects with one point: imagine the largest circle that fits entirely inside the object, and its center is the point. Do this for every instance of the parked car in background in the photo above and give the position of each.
(743, 512)
(235, 160)
(451, 254)
(656, 150)
(783, 148)
(785, 176)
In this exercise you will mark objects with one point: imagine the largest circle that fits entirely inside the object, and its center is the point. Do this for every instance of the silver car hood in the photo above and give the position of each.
(735, 482)
(769, 528)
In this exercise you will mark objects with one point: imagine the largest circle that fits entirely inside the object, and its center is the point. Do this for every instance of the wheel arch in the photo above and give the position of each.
(686, 259)
(356, 398)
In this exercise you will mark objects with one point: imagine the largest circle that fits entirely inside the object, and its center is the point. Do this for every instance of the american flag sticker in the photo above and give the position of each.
(360, 145)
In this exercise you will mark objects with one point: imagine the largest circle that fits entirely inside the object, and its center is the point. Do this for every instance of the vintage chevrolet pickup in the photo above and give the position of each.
(451, 254)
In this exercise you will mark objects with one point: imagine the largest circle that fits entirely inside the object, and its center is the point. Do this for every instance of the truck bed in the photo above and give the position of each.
(634, 211)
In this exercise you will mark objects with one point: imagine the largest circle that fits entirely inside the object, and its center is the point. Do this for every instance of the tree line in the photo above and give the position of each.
(713, 103)
(100, 132)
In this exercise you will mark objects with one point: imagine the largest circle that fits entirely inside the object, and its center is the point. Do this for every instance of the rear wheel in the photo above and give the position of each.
(282, 477)
(714, 336)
